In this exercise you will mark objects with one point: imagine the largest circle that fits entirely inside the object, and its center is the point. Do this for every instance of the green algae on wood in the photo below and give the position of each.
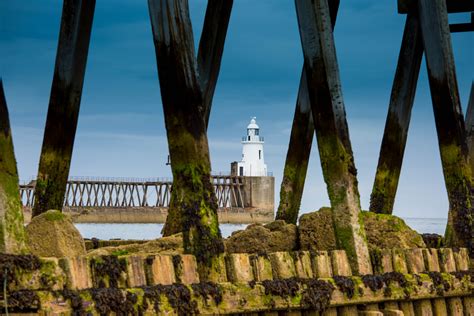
(398, 118)
(450, 124)
(332, 133)
(193, 204)
(64, 104)
(12, 233)
(299, 148)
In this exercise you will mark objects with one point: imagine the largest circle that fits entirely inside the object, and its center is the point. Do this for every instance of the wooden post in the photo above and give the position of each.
(64, 103)
(332, 133)
(449, 123)
(470, 127)
(299, 148)
(193, 205)
(12, 233)
(398, 118)
(211, 48)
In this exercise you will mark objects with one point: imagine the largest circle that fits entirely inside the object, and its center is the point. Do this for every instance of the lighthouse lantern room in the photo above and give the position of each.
(252, 163)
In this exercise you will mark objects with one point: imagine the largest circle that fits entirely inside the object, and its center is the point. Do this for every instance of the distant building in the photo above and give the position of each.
(253, 162)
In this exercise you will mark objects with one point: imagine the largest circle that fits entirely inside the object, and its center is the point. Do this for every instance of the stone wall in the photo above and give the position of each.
(243, 283)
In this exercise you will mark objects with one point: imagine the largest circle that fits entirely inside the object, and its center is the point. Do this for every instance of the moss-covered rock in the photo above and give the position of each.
(170, 245)
(52, 234)
(316, 231)
(275, 236)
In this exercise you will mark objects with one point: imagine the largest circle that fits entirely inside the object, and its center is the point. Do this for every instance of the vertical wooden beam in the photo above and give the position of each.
(449, 122)
(299, 148)
(193, 205)
(64, 104)
(12, 233)
(398, 118)
(211, 48)
(470, 127)
(332, 133)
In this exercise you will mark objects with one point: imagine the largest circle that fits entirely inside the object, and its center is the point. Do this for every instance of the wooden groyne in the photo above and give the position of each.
(405, 282)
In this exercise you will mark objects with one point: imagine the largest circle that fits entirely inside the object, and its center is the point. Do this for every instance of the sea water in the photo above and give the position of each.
(152, 231)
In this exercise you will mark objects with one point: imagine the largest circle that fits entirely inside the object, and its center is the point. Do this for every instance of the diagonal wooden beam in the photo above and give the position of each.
(299, 148)
(64, 104)
(193, 205)
(469, 125)
(449, 123)
(398, 118)
(12, 233)
(325, 94)
(211, 48)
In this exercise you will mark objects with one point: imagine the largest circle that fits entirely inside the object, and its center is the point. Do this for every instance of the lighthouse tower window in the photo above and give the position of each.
(241, 171)
(260, 154)
(256, 132)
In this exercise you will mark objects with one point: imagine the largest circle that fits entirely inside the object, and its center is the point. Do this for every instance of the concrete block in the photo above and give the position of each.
(415, 261)
(348, 311)
(370, 313)
(239, 268)
(446, 260)
(461, 257)
(391, 305)
(423, 308)
(455, 307)
(185, 268)
(330, 312)
(468, 305)
(430, 256)
(321, 263)
(282, 265)
(217, 273)
(262, 268)
(78, 272)
(340, 264)
(399, 261)
(303, 264)
(439, 307)
(160, 270)
(136, 275)
(407, 308)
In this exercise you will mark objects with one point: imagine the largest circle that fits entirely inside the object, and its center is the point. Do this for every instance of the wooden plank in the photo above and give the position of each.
(332, 133)
(299, 148)
(453, 6)
(211, 48)
(449, 123)
(193, 205)
(12, 233)
(64, 104)
(398, 118)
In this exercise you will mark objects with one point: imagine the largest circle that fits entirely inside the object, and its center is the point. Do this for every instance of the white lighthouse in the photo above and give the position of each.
(253, 162)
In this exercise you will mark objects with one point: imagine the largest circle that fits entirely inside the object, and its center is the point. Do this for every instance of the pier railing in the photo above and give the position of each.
(128, 193)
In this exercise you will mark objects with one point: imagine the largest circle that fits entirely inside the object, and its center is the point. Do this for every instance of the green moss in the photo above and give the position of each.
(120, 252)
(54, 215)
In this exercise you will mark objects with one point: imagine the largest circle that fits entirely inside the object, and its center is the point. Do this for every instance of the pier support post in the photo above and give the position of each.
(469, 124)
(193, 205)
(12, 233)
(398, 118)
(299, 148)
(449, 123)
(64, 103)
(332, 133)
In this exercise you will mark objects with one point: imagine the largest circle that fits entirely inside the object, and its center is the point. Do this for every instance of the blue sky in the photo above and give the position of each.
(121, 128)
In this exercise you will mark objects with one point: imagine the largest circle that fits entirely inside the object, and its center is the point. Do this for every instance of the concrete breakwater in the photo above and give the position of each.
(405, 282)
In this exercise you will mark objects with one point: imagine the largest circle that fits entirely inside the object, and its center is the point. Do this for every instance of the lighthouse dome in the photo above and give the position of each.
(253, 124)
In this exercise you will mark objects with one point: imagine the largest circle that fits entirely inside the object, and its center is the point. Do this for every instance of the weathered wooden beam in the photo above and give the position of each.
(449, 123)
(12, 233)
(64, 104)
(398, 118)
(325, 94)
(193, 205)
(453, 6)
(469, 124)
(211, 48)
(299, 148)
